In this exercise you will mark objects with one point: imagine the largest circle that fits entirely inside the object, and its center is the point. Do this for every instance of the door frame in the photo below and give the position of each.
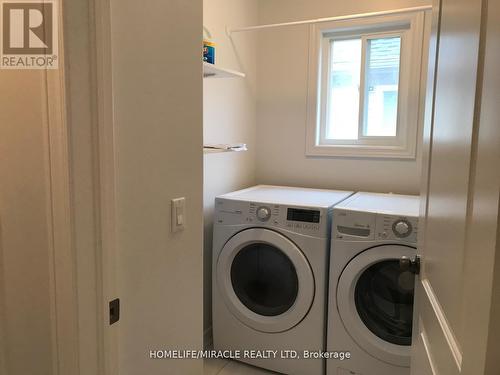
(60, 227)
(483, 235)
(63, 293)
(107, 180)
(84, 341)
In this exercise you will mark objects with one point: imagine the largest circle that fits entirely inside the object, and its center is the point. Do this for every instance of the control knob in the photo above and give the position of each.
(402, 228)
(263, 213)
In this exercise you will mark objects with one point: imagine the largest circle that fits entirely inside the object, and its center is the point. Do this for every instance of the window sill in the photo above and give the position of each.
(361, 151)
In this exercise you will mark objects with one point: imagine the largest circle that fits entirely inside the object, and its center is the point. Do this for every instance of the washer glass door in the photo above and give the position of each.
(384, 300)
(265, 280)
(375, 302)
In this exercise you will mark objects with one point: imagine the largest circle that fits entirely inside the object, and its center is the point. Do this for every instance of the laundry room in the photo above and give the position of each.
(249, 187)
(257, 113)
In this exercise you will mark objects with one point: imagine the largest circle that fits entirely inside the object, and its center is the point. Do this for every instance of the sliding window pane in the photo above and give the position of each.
(343, 100)
(381, 87)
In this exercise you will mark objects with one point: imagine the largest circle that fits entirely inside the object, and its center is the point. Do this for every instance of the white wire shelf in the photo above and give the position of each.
(220, 148)
(213, 71)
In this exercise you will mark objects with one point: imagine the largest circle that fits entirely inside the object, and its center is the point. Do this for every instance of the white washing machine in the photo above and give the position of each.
(370, 296)
(270, 266)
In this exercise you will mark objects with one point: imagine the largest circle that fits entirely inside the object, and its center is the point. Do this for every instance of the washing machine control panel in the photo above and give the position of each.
(365, 226)
(307, 220)
(401, 228)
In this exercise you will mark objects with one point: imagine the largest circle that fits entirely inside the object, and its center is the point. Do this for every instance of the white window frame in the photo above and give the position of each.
(410, 27)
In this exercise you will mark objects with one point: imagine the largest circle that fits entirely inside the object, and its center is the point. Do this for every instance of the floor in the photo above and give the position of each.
(227, 367)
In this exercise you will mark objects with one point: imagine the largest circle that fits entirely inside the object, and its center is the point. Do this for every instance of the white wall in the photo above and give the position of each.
(282, 89)
(26, 277)
(157, 73)
(229, 116)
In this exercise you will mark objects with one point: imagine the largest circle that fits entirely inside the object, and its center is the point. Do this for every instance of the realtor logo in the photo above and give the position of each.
(29, 34)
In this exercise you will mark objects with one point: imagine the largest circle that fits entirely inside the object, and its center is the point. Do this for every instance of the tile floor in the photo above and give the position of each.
(227, 367)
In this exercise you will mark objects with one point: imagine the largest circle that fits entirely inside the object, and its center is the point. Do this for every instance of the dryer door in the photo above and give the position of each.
(375, 302)
(265, 280)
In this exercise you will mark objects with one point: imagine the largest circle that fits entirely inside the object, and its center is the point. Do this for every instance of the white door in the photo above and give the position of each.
(459, 193)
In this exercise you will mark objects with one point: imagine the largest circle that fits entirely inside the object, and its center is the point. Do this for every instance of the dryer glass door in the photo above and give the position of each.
(265, 280)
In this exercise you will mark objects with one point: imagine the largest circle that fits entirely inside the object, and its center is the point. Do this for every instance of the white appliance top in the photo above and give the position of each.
(290, 196)
(390, 204)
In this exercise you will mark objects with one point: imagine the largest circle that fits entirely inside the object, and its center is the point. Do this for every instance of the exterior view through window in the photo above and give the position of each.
(381, 87)
(364, 91)
(377, 114)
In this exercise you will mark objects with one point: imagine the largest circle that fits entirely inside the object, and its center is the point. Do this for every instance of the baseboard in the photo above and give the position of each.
(207, 338)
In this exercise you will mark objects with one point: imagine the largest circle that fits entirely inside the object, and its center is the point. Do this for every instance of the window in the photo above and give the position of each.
(364, 87)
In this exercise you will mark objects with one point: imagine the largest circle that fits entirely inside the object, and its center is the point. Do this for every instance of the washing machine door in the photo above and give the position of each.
(375, 303)
(265, 280)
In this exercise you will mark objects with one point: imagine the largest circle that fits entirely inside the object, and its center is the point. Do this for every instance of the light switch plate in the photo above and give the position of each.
(178, 212)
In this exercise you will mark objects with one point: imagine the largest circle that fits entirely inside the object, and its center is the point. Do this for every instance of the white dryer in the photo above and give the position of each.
(270, 266)
(370, 296)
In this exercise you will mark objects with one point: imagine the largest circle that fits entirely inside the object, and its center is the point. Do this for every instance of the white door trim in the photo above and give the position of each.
(107, 178)
(91, 53)
(451, 340)
(422, 353)
(63, 288)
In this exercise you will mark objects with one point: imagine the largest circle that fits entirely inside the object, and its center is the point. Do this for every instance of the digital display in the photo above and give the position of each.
(308, 216)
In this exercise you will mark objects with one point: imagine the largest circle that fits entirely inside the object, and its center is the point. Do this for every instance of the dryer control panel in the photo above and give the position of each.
(312, 221)
(363, 226)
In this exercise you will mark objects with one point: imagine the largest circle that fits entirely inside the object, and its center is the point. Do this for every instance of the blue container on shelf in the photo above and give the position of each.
(208, 51)
(208, 47)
